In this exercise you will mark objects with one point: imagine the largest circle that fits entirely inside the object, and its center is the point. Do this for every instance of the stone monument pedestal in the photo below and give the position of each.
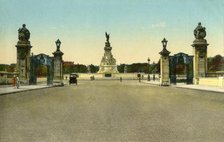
(200, 53)
(200, 59)
(23, 62)
(108, 70)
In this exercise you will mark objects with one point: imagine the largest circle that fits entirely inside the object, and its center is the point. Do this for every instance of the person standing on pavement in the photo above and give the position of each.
(17, 82)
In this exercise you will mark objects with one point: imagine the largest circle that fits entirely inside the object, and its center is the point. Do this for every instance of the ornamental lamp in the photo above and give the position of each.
(58, 44)
(164, 42)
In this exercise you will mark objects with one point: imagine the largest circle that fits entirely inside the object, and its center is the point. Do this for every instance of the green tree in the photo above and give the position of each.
(41, 71)
(93, 68)
(120, 68)
(11, 68)
(4, 67)
(78, 68)
(158, 67)
(215, 63)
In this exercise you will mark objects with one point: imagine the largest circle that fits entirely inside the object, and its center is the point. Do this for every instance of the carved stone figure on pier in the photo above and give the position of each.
(199, 32)
(23, 34)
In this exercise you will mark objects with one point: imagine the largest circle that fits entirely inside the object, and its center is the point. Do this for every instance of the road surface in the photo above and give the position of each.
(112, 111)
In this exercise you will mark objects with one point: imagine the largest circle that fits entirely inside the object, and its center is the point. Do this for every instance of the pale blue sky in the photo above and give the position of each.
(136, 27)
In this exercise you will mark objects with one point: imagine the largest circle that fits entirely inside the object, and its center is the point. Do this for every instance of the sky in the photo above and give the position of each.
(136, 27)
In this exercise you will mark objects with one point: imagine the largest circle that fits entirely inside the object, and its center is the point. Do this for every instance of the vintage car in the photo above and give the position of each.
(73, 78)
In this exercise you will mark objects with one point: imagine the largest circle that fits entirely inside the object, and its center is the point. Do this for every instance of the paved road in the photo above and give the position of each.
(110, 111)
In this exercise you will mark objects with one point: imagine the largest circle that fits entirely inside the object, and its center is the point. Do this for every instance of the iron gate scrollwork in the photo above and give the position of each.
(184, 61)
(41, 59)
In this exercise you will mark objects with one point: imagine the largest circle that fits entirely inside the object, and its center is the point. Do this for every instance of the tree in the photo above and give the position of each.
(158, 67)
(41, 71)
(4, 67)
(11, 68)
(93, 68)
(120, 68)
(78, 68)
(215, 63)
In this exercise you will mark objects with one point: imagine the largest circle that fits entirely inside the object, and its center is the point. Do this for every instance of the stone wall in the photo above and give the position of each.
(98, 76)
(212, 81)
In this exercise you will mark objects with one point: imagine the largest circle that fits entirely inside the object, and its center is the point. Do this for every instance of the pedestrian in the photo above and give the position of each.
(120, 79)
(139, 77)
(154, 77)
(17, 82)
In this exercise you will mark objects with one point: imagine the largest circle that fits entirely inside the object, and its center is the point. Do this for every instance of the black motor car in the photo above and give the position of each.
(73, 78)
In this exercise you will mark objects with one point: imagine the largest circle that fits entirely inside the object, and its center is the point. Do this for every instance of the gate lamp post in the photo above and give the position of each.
(58, 62)
(149, 68)
(154, 67)
(164, 42)
(58, 44)
(164, 64)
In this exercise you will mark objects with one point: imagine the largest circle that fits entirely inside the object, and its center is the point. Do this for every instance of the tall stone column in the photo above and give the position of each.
(58, 70)
(164, 65)
(23, 55)
(200, 53)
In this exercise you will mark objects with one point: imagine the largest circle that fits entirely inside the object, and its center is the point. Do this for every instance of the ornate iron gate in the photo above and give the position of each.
(184, 60)
(37, 60)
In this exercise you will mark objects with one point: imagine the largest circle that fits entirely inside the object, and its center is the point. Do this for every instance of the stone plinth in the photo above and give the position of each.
(108, 69)
(200, 53)
(200, 60)
(23, 62)
(164, 71)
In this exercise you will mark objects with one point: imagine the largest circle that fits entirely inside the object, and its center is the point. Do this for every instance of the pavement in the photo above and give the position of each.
(201, 87)
(9, 89)
(190, 86)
